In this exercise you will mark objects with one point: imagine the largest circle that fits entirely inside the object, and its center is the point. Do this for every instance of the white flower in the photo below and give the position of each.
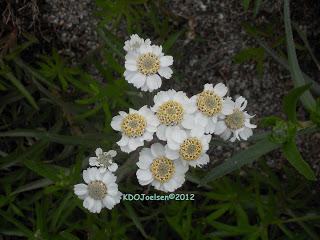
(99, 191)
(135, 42)
(210, 105)
(136, 127)
(104, 160)
(237, 123)
(145, 66)
(190, 147)
(172, 109)
(157, 169)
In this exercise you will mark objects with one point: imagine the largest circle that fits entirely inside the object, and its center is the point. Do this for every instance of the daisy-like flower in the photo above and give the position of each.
(190, 147)
(172, 109)
(100, 190)
(136, 127)
(210, 105)
(104, 160)
(157, 169)
(237, 123)
(135, 42)
(145, 66)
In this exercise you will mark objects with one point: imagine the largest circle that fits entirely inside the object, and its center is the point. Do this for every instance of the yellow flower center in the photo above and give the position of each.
(148, 63)
(191, 149)
(170, 113)
(97, 190)
(162, 169)
(134, 125)
(235, 120)
(209, 103)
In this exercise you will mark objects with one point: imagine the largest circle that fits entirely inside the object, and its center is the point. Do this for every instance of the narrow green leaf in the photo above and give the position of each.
(90, 140)
(240, 159)
(46, 170)
(290, 102)
(284, 63)
(33, 185)
(293, 155)
(245, 4)
(22, 89)
(257, 6)
(168, 44)
(296, 74)
(132, 214)
(16, 223)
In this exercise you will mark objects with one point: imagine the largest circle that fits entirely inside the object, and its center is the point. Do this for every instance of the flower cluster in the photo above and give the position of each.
(183, 127)
(100, 189)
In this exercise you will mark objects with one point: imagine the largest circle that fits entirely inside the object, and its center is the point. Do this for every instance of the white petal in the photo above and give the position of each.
(131, 66)
(241, 103)
(99, 151)
(85, 175)
(88, 203)
(109, 202)
(197, 131)
(166, 61)
(220, 89)
(165, 72)
(144, 175)
(138, 80)
(157, 149)
(249, 125)
(112, 153)
(227, 106)
(134, 143)
(226, 134)
(220, 127)
(93, 161)
(161, 132)
(171, 154)
(80, 189)
(116, 122)
(176, 134)
(123, 141)
(154, 82)
(188, 121)
(246, 133)
(113, 167)
(208, 86)
(211, 126)
(201, 120)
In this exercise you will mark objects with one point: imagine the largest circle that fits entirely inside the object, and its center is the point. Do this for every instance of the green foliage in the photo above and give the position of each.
(248, 54)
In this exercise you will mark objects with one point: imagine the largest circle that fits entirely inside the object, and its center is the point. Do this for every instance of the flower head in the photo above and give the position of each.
(210, 105)
(136, 127)
(172, 109)
(104, 160)
(190, 147)
(99, 191)
(145, 66)
(135, 42)
(157, 169)
(237, 123)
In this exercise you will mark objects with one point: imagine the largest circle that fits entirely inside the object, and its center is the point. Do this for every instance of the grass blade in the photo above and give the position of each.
(293, 155)
(240, 159)
(290, 102)
(296, 74)
(22, 89)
